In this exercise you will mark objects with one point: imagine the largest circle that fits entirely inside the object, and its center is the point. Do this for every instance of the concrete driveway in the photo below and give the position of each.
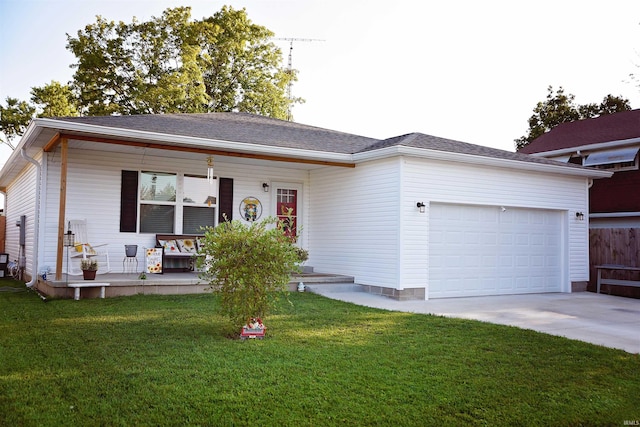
(600, 319)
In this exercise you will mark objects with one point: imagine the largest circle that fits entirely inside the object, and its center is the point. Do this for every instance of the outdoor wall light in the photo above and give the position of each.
(580, 216)
(265, 187)
(421, 206)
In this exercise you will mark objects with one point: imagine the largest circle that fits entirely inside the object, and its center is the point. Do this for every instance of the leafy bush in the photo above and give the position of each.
(248, 266)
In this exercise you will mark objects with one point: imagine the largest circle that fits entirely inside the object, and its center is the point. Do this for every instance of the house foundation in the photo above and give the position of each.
(406, 294)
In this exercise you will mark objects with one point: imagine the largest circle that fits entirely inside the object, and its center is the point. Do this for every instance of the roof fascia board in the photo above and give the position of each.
(15, 159)
(478, 160)
(614, 215)
(205, 151)
(599, 146)
(195, 141)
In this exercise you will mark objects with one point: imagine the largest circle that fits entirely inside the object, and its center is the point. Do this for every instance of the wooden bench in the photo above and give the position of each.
(77, 286)
(178, 261)
(619, 282)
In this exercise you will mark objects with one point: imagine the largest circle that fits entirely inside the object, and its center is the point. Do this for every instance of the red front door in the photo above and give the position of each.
(287, 210)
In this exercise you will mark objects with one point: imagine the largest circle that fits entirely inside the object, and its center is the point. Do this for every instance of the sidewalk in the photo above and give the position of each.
(605, 320)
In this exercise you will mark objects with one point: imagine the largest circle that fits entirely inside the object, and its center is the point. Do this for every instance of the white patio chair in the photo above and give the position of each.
(83, 249)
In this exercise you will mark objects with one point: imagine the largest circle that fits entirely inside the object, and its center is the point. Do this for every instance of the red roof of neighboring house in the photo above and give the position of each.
(610, 127)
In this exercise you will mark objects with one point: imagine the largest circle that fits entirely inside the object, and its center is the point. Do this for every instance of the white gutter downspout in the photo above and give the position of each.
(36, 220)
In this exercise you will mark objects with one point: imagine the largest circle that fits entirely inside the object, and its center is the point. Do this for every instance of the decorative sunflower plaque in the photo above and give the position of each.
(250, 209)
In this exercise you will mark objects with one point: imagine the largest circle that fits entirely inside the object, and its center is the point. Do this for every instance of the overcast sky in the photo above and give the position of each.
(467, 70)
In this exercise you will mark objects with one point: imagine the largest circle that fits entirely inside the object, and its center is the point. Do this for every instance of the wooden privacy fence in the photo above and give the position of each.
(619, 246)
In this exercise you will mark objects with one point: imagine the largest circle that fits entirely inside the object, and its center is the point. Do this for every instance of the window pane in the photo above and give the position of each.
(198, 190)
(194, 218)
(156, 218)
(158, 186)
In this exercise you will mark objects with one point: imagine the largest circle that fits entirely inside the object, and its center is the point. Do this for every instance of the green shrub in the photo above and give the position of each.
(248, 266)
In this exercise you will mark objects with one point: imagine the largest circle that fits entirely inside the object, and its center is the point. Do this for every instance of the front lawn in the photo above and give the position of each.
(165, 360)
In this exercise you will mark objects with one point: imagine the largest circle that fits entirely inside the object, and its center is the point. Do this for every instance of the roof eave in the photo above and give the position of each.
(478, 160)
(587, 147)
(204, 143)
(15, 163)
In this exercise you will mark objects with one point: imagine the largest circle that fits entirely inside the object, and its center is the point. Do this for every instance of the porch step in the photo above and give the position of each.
(329, 288)
(320, 279)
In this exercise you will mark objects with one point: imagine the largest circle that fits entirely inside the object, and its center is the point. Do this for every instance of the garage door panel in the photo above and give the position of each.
(505, 283)
(473, 237)
(537, 239)
(489, 239)
(472, 260)
(537, 261)
(538, 283)
(482, 250)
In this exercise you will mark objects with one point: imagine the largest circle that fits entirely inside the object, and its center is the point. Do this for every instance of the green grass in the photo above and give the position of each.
(166, 360)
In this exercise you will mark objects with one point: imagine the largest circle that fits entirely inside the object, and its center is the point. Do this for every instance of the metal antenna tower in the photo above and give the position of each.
(290, 65)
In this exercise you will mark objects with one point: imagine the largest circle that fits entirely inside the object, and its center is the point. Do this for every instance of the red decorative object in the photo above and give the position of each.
(254, 329)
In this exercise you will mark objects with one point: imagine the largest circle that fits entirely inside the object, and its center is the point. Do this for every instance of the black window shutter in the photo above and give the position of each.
(225, 204)
(129, 201)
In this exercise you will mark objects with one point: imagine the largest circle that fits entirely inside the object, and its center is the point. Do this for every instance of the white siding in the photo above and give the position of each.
(354, 225)
(444, 182)
(360, 221)
(364, 221)
(20, 200)
(93, 193)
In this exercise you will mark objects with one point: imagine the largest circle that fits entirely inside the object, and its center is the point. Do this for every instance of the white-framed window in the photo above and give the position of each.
(199, 203)
(157, 200)
(176, 203)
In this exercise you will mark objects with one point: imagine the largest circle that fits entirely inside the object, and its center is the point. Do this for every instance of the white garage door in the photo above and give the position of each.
(489, 250)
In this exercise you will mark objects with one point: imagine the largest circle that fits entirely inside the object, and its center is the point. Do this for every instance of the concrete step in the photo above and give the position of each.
(333, 288)
(319, 278)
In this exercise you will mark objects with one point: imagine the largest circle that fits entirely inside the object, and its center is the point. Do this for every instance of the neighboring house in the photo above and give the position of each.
(411, 217)
(609, 142)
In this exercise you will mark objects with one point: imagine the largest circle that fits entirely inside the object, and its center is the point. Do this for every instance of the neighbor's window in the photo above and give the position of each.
(157, 202)
(619, 159)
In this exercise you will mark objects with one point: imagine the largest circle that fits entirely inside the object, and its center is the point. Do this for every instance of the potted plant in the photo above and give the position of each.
(89, 268)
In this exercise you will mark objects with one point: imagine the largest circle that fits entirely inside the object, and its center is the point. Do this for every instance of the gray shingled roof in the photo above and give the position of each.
(255, 129)
(236, 127)
(429, 142)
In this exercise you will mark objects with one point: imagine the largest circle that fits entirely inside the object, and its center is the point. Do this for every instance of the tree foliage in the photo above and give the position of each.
(248, 266)
(174, 64)
(54, 100)
(50, 100)
(169, 64)
(560, 108)
(14, 119)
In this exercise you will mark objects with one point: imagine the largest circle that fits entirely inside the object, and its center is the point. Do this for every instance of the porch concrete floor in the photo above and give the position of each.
(123, 284)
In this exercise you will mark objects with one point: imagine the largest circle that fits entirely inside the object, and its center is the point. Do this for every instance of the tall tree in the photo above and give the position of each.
(50, 100)
(54, 100)
(173, 64)
(241, 70)
(14, 119)
(560, 108)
